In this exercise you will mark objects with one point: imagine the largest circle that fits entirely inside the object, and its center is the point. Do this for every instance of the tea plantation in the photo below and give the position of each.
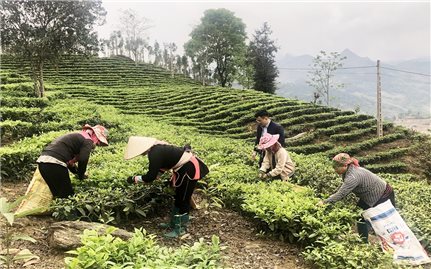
(143, 100)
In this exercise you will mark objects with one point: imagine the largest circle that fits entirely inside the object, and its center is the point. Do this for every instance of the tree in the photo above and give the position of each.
(42, 31)
(262, 53)
(169, 56)
(199, 57)
(185, 65)
(116, 41)
(178, 64)
(220, 40)
(321, 77)
(150, 53)
(245, 72)
(134, 29)
(157, 54)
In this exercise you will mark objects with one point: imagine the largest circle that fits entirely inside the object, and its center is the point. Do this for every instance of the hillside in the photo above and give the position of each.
(404, 94)
(251, 219)
(229, 112)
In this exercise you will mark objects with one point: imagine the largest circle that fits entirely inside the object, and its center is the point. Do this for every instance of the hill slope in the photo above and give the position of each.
(177, 112)
(403, 93)
(151, 91)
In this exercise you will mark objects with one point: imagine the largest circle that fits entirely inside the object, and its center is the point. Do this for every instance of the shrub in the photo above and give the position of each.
(141, 251)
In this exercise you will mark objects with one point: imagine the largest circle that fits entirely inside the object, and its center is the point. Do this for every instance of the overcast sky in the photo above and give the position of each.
(388, 31)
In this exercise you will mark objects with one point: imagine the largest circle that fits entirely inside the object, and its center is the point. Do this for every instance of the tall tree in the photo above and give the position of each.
(262, 53)
(150, 52)
(157, 54)
(169, 56)
(117, 41)
(185, 65)
(134, 29)
(41, 31)
(178, 64)
(245, 72)
(200, 60)
(321, 78)
(219, 39)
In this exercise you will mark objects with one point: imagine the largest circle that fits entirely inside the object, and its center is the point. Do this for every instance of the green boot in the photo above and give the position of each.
(185, 219)
(170, 224)
(363, 231)
(179, 226)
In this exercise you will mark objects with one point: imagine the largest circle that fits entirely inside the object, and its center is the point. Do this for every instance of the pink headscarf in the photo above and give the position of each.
(89, 134)
(97, 133)
(345, 159)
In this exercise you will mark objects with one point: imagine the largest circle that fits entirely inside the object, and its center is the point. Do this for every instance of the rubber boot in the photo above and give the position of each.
(363, 231)
(185, 219)
(178, 229)
(170, 224)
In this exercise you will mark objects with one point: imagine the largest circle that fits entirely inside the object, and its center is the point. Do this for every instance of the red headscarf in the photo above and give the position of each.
(345, 159)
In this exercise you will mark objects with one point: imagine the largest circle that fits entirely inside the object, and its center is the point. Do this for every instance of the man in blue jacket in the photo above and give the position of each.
(266, 125)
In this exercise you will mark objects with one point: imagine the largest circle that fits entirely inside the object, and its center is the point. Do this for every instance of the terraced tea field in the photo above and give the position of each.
(226, 112)
(134, 99)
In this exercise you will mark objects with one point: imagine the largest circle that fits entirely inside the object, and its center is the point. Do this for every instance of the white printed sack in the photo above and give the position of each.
(395, 236)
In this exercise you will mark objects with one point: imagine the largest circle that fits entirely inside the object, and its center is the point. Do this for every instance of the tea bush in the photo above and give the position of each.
(141, 251)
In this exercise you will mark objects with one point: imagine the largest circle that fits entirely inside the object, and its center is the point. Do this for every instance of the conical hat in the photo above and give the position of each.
(138, 145)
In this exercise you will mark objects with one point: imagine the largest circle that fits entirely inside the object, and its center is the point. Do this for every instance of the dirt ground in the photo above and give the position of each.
(244, 247)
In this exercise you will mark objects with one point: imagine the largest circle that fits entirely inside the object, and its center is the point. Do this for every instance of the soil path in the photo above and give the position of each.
(243, 246)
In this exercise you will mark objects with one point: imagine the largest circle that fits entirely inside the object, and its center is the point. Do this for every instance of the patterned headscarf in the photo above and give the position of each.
(345, 159)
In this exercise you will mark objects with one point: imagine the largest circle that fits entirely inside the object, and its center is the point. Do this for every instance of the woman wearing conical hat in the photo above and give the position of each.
(186, 170)
(277, 162)
(69, 152)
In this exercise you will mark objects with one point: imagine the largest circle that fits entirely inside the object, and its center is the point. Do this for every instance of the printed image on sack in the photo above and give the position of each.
(395, 236)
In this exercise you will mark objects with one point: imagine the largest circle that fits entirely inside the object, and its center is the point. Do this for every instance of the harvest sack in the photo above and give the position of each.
(395, 236)
(38, 197)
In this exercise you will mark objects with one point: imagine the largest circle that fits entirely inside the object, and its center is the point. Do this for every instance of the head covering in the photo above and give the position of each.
(99, 131)
(138, 145)
(345, 159)
(268, 140)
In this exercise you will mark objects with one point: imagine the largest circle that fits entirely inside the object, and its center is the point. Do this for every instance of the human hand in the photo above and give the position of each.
(320, 203)
(263, 175)
(73, 169)
(134, 179)
(253, 155)
(81, 177)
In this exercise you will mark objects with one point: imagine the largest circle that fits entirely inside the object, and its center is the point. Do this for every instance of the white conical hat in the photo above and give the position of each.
(138, 145)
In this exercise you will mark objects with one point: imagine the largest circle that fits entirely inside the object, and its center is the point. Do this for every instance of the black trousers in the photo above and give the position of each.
(57, 178)
(184, 187)
(362, 225)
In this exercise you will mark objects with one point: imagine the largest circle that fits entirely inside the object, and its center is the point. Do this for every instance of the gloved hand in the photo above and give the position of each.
(187, 148)
(131, 179)
(73, 169)
(81, 177)
(134, 179)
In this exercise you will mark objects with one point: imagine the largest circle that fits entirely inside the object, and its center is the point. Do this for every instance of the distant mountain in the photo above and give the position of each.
(402, 93)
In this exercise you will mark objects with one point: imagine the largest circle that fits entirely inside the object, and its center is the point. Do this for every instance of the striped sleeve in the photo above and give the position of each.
(350, 182)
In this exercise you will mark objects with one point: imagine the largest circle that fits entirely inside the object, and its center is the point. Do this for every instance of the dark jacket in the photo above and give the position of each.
(68, 147)
(164, 157)
(273, 128)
